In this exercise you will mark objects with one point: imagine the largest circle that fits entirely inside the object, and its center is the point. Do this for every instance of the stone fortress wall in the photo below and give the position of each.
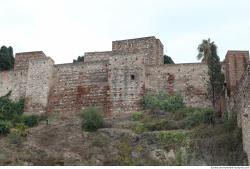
(113, 80)
(239, 103)
(238, 92)
(116, 81)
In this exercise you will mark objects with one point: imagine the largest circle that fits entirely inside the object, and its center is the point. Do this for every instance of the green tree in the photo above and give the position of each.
(208, 52)
(168, 60)
(204, 50)
(79, 59)
(6, 58)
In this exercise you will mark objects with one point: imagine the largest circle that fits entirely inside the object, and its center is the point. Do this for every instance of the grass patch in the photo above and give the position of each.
(21, 129)
(15, 138)
(172, 139)
(140, 128)
(124, 156)
(137, 116)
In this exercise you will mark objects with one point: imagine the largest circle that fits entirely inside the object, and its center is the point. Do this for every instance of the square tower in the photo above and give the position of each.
(150, 47)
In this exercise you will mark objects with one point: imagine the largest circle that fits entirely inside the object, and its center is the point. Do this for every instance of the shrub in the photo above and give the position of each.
(172, 139)
(140, 128)
(222, 146)
(182, 156)
(162, 101)
(162, 124)
(92, 119)
(30, 120)
(15, 138)
(21, 129)
(199, 116)
(9, 110)
(186, 110)
(137, 116)
(124, 153)
(176, 102)
(230, 123)
(4, 127)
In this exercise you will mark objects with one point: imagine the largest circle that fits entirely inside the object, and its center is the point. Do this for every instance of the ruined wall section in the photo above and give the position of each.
(243, 106)
(21, 72)
(238, 92)
(150, 47)
(126, 79)
(6, 82)
(78, 85)
(236, 63)
(38, 85)
(187, 79)
(239, 103)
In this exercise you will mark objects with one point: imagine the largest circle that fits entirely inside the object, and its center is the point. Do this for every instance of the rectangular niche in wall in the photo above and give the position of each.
(132, 77)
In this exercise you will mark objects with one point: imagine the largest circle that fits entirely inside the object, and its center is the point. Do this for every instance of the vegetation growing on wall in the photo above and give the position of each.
(6, 58)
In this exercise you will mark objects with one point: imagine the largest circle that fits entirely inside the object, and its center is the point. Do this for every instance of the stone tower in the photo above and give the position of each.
(236, 63)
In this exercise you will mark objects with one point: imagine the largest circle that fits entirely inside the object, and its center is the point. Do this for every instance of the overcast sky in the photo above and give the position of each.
(65, 29)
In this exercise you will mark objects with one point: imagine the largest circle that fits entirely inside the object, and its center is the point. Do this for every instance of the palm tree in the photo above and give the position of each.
(205, 50)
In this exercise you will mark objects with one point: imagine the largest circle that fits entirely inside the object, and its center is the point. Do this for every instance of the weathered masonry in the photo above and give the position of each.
(113, 80)
(116, 81)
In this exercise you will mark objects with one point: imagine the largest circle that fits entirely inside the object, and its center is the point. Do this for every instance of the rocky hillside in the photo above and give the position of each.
(144, 140)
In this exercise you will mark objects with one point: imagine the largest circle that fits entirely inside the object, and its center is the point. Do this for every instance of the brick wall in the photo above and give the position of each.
(79, 85)
(187, 79)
